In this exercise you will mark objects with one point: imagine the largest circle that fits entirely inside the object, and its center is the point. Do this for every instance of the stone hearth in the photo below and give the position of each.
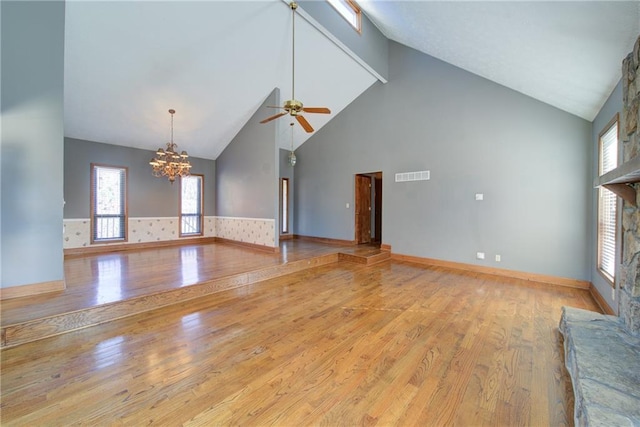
(602, 353)
(603, 359)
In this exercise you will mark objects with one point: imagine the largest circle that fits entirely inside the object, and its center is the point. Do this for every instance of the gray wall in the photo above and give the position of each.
(608, 110)
(287, 171)
(148, 196)
(32, 142)
(371, 45)
(531, 161)
(247, 170)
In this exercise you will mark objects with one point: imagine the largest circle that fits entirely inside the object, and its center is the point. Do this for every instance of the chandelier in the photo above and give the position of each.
(168, 162)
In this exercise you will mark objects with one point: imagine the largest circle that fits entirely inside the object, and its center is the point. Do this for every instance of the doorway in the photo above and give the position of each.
(368, 208)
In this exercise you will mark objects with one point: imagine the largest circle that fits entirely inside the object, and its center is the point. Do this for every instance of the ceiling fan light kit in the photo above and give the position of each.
(293, 107)
(292, 156)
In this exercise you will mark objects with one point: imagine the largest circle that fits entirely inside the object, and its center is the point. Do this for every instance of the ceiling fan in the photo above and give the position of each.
(293, 107)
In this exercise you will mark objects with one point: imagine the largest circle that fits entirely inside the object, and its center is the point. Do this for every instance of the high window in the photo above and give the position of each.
(284, 208)
(349, 11)
(108, 203)
(607, 202)
(191, 205)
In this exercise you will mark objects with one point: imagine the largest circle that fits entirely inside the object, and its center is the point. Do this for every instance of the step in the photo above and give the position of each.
(32, 330)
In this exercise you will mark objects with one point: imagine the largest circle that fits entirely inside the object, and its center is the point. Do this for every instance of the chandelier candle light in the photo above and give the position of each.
(168, 162)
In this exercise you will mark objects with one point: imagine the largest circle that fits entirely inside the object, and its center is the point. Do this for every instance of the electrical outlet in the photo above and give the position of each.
(480, 255)
(613, 294)
(498, 258)
(347, 205)
(479, 196)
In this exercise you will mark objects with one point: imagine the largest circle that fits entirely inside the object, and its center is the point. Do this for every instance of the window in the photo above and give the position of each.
(108, 203)
(284, 199)
(191, 205)
(607, 202)
(349, 11)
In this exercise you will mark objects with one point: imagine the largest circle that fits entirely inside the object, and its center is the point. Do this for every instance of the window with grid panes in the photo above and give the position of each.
(191, 205)
(108, 203)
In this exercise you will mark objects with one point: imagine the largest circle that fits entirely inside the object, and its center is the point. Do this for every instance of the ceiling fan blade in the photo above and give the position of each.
(273, 117)
(304, 123)
(322, 110)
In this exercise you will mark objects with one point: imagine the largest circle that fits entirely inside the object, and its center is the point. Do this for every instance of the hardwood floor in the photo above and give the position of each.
(345, 344)
(106, 278)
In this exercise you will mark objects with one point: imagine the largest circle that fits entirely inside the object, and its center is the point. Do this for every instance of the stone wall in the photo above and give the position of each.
(630, 135)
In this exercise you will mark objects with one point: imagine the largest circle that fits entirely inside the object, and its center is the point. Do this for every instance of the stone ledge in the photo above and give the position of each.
(603, 360)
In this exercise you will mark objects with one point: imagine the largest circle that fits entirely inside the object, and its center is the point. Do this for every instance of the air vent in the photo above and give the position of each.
(413, 176)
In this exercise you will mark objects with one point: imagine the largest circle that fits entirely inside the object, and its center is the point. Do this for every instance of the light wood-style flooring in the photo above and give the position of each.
(107, 278)
(343, 344)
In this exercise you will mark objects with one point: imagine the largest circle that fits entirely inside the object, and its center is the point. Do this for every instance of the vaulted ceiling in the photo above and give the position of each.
(565, 53)
(214, 62)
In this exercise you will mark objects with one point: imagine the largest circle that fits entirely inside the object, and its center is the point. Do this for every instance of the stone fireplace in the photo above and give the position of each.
(602, 353)
(629, 282)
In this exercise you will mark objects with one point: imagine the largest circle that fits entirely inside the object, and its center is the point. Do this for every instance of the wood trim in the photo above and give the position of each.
(604, 306)
(385, 247)
(287, 236)
(284, 205)
(248, 245)
(534, 277)
(32, 289)
(94, 250)
(614, 121)
(325, 240)
(358, 13)
(624, 191)
(364, 259)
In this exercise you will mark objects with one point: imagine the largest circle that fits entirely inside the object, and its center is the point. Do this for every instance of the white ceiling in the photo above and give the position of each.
(214, 62)
(127, 63)
(565, 53)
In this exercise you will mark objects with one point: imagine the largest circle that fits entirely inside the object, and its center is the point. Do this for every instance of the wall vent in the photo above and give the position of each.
(413, 176)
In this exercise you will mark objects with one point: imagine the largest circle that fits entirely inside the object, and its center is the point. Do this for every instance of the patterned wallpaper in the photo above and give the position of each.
(258, 231)
(249, 230)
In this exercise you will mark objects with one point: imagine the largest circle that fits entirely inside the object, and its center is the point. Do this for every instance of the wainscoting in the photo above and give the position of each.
(256, 231)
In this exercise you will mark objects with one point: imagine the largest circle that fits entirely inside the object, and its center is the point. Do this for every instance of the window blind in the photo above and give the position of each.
(609, 150)
(607, 204)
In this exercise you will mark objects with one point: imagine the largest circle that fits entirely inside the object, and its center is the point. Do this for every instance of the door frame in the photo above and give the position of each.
(375, 205)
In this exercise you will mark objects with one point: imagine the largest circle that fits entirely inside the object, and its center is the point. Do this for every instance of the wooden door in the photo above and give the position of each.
(378, 208)
(363, 209)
